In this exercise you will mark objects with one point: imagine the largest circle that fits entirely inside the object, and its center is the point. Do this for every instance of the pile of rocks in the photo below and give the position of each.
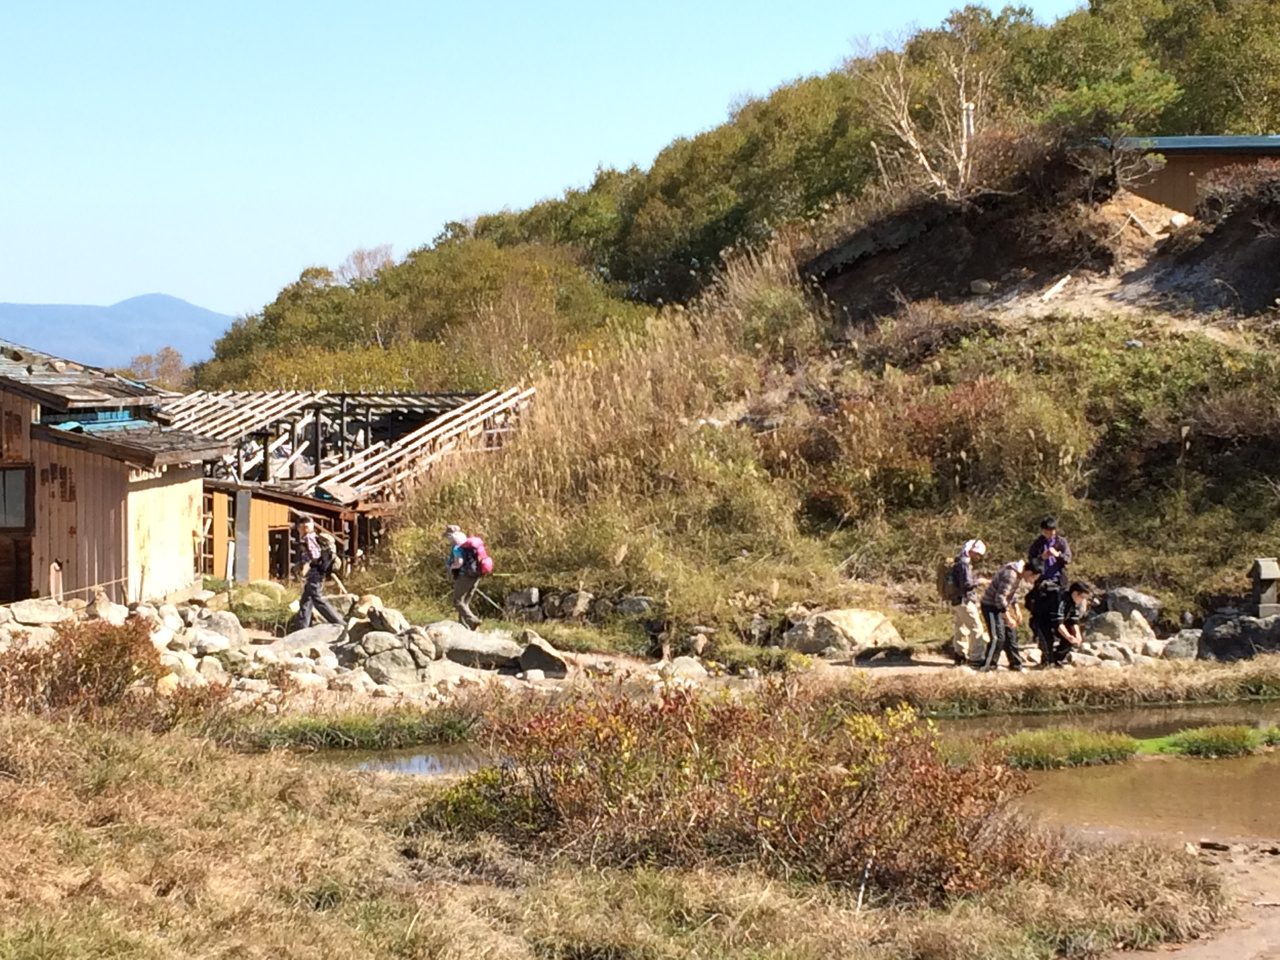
(377, 652)
(534, 605)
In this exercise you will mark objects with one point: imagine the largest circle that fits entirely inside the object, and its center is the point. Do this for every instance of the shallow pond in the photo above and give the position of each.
(1177, 796)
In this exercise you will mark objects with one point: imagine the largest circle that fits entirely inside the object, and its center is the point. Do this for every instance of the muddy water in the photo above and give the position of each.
(1143, 723)
(1182, 797)
(1192, 799)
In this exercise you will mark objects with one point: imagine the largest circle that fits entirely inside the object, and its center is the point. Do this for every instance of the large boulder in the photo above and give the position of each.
(683, 668)
(315, 640)
(253, 600)
(6, 615)
(576, 605)
(1130, 630)
(634, 606)
(226, 623)
(1239, 638)
(418, 640)
(103, 609)
(540, 655)
(523, 599)
(1125, 600)
(1183, 645)
(379, 641)
(39, 613)
(845, 631)
(394, 667)
(206, 643)
(490, 651)
(388, 620)
(170, 618)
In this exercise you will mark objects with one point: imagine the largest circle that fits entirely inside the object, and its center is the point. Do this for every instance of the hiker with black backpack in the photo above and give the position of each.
(960, 587)
(320, 554)
(468, 562)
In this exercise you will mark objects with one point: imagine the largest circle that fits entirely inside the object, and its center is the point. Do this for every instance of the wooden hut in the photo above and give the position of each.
(96, 492)
(348, 460)
(1187, 160)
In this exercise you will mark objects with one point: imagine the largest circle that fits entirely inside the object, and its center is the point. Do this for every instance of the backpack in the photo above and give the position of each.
(948, 589)
(328, 552)
(476, 561)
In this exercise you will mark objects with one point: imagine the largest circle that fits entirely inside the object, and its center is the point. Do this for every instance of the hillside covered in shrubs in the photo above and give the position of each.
(709, 430)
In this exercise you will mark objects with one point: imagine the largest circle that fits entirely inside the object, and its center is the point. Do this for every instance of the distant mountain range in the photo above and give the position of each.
(112, 336)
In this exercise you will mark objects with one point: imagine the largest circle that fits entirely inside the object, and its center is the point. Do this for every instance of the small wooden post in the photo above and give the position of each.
(293, 448)
(315, 441)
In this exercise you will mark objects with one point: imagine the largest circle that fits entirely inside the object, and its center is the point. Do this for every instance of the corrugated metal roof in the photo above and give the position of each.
(1268, 143)
(64, 384)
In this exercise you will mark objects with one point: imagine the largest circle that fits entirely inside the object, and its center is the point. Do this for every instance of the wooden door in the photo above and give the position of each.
(15, 568)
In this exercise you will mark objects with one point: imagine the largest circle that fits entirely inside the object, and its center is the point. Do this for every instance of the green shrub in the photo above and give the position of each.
(687, 780)
(1270, 736)
(1220, 741)
(1047, 749)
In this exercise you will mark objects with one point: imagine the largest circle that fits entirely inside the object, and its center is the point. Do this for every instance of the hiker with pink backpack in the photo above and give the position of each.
(468, 562)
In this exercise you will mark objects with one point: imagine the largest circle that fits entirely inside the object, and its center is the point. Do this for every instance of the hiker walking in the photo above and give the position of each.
(319, 552)
(1052, 549)
(468, 562)
(968, 636)
(1001, 613)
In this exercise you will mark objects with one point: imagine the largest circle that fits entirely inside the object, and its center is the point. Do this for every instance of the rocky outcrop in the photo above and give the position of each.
(1183, 645)
(488, 651)
(1238, 638)
(1125, 600)
(842, 631)
(1130, 630)
(40, 613)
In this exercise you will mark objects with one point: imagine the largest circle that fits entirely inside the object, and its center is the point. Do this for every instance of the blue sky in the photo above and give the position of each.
(212, 150)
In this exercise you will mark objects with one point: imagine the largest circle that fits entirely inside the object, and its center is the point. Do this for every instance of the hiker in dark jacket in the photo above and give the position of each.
(968, 636)
(1071, 608)
(320, 560)
(1052, 549)
(1001, 613)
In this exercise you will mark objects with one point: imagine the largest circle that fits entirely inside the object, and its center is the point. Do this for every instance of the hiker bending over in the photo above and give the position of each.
(968, 636)
(1001, 613)
(1070, 610)
(1052, 549)
(468, 562)
(319, 553)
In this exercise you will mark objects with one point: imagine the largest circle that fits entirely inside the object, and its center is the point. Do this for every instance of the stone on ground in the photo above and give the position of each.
(39, 613)
(392, 667)
(255, 601)
(1125, 600)
(318, 637)
(103, 609)
(388, 620)
(490, 651)
(226, 623)
(848, 631)
(207, 642)
(376, 641)
(6, 615)
(576, 605)
(269, 588)
(634, 606)
(1130, 630)
(539, 655)
(1183, 645)
(1239, 638)
(683, 668)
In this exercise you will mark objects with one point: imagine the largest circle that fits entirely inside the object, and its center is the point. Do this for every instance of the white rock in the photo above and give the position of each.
(38, 613)
(161, 637)
(207, 642)
(211, 669)
(308, 681)
(251, 685)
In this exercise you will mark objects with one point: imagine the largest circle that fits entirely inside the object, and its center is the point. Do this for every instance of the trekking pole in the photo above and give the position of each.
(492, 603)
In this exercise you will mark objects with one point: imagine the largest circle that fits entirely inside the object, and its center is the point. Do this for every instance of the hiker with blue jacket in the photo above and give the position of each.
(1052, 549)
(464, 567)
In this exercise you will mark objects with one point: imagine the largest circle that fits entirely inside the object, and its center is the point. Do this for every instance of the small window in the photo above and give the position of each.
(15, 498)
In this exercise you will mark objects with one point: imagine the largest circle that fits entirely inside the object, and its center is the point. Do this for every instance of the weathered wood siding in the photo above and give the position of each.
(264, 516)
(81, 502)
(164, 530)
(15, 428)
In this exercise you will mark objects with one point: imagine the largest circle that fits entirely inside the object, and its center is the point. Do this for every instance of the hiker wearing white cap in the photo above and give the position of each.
(969, 637)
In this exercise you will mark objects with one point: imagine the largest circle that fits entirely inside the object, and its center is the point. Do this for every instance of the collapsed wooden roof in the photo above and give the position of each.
(363, 451)
(64, 384)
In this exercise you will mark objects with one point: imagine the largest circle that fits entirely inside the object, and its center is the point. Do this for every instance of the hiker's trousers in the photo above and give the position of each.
(464, 588)
(968, 634)
(312, 597)
(1003, 638)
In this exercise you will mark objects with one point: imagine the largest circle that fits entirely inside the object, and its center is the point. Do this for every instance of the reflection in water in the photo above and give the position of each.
(440, 761)
(1191, 798)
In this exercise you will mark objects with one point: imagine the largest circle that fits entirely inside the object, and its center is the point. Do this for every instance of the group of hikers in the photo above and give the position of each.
(986, 624)
(467, 562)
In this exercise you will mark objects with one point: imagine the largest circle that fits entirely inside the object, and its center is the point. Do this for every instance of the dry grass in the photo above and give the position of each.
(138, 845)
(956, 693)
